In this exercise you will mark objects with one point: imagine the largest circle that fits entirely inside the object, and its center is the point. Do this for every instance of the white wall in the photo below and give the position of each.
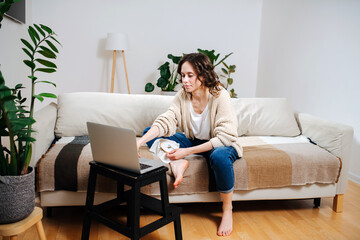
(155, 29)
(11, 54)
(310, 53)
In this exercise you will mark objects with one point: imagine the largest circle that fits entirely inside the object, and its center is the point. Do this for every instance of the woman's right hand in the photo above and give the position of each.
(150, 135)
(138, 145)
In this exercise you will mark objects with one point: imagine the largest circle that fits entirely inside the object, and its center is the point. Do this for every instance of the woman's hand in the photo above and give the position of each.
(138, 144)
(178, 153)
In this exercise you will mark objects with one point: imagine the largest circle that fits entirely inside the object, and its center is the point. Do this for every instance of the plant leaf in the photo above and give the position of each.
(47, 82)
(39, 30)
(8, 98)
(52, 46)
(40, 98)
(23, 121)
(36, 35)
(209, 54)
(175, 59)
(162, 82)
(46, 28)
(230, 81)
(46, 70)
(224, 71)
(48, 50)
(165, 71)
(32, 36)
(55, 40)
(46, 63)
(28, 53)
(48, 95)
(30, 64)
(26, 139)
(18, 86)
(165, 65)
(46, 54)
(222, 60)
(149, 87)
(28, 45)
(32, 78)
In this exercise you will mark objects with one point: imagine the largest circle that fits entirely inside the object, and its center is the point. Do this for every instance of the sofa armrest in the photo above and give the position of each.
(334, 137)
(44, 131)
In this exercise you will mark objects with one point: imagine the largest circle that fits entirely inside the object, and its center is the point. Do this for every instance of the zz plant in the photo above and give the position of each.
(227, 70)
(15, 120)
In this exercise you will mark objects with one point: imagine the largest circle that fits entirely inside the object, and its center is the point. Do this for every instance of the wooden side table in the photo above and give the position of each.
(134, 199)
(12, 230)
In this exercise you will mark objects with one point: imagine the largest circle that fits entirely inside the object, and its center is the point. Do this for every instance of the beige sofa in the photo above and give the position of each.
(281, 160)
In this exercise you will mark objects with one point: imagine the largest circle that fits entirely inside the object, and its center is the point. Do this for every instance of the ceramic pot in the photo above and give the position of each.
(17, 197)
(168, 93)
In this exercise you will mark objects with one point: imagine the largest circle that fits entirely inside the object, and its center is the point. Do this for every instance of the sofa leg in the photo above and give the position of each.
(317, 202)
(49, 212)
(338, 203)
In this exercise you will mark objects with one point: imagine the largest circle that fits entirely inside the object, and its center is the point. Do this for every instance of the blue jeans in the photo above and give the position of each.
(220, 161)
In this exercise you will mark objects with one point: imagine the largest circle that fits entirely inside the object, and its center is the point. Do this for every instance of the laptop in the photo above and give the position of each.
(117, 147)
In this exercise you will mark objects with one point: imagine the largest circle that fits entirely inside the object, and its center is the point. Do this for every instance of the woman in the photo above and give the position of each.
(202, 110)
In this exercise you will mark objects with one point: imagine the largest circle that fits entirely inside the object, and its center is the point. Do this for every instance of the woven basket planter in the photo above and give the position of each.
(17, 197)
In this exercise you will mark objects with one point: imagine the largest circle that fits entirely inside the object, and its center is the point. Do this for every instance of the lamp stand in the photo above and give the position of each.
(127, 80)
(113, 71)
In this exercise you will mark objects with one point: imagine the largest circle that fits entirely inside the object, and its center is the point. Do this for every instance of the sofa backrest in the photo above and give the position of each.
(265, 117)
(256, 116)
(133, 111)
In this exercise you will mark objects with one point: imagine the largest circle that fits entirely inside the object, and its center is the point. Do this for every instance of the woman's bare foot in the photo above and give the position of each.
(226, 224)
(178, 168)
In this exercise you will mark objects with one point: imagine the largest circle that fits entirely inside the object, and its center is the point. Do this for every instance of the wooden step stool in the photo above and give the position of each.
(134, 199)
(12, 230)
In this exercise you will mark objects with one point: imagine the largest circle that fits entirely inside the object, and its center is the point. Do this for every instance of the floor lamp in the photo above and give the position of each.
(115, 42)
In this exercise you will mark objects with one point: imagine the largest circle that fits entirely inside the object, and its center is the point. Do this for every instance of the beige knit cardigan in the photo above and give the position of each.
(223, 122)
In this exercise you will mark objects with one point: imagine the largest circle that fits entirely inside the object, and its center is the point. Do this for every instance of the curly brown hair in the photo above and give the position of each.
(204, 71)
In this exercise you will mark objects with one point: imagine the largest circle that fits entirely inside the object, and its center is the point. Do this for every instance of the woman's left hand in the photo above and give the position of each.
(178, 153)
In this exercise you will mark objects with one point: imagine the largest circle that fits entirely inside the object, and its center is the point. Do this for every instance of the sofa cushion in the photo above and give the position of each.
(265, 117)
(120, 110)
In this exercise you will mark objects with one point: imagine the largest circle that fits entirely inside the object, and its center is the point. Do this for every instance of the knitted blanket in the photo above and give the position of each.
(267, 162)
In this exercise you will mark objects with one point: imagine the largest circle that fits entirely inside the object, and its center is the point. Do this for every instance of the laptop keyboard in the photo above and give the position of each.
(144, 166)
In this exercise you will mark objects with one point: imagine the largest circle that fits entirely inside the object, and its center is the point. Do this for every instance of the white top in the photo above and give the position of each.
(200, 123)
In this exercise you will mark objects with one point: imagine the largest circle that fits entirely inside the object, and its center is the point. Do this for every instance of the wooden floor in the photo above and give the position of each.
(286, 219)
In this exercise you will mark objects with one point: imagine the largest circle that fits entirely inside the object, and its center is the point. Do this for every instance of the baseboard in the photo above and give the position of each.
(353, 177)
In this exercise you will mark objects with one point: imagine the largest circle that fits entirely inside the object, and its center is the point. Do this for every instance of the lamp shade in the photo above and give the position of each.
(116, 41)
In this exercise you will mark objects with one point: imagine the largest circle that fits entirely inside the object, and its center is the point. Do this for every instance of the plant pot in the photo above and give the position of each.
(168, 93)
(17, 197)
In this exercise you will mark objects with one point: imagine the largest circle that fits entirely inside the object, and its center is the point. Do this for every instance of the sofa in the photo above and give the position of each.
(287, 155)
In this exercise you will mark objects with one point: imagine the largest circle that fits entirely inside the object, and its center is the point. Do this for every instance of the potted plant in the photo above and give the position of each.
(17, 185)
(169, 79)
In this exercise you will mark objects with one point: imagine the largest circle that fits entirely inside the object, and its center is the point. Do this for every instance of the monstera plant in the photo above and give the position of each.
(17, 185)
(168, 75)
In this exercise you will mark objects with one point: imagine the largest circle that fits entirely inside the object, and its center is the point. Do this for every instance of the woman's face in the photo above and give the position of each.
(189, 78)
